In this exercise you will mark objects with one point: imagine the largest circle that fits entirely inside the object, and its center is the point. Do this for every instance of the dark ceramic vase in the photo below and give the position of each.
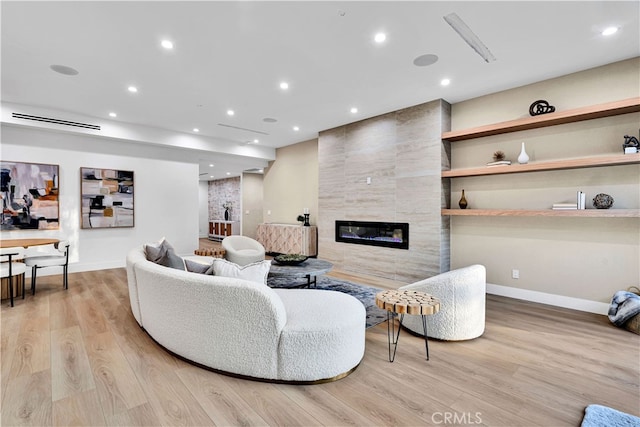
(226, 214)
(463, 201)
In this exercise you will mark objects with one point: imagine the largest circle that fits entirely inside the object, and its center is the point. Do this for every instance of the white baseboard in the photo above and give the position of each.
(550, 299)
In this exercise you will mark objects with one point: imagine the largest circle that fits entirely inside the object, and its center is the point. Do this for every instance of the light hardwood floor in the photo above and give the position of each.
(78, 357)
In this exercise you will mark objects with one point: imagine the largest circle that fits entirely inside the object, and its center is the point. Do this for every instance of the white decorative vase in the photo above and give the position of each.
(523, 157)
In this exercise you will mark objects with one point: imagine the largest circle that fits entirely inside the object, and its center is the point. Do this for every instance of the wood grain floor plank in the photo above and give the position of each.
(8, 343)
(222, 404)
(32, 351)
(28, 401)
(88, 309)
(70, 368)
(82, 409)
(62, 312)
(117, 386)
(172, 402)
(143, 415)
(271, 403)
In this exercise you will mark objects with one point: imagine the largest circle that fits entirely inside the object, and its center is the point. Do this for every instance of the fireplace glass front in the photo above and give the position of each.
(387, 234)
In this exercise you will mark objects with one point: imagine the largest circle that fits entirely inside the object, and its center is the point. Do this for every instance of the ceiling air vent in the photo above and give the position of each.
(246, 129)
(54, 121)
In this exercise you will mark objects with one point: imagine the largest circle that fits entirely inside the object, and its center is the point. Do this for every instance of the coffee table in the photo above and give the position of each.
(310, 269)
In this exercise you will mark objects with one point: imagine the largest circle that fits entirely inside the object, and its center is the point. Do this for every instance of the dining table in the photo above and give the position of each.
(25, 243)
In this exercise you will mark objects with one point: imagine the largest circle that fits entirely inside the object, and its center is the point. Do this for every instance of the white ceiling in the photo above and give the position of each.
(234, 55)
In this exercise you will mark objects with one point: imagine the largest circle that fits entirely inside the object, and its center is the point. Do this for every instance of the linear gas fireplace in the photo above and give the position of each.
(387, 234)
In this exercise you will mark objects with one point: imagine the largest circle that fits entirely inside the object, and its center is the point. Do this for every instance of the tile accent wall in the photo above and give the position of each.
(221, 191)
(403, 155)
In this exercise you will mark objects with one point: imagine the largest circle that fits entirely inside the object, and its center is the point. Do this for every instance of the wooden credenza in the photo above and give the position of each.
(218, 230)
(288, 238)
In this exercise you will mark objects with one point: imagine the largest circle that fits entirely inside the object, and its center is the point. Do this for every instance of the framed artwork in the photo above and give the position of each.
(29, 193)
(107, 198)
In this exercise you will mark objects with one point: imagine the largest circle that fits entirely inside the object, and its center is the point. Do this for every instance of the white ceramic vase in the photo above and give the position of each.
(523, 157)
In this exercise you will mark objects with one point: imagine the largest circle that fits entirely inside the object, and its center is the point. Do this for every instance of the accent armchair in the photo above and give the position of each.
(242, 250)
(462, 295)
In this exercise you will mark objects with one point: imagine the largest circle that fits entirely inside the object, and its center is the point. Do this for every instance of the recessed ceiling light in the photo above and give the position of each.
(211, 165)
(63, 69)
(445, 82)
(211, 176)
(609, 31)
(284, 85)
(296, 128)
(425, 60)
(112, 114)
(354, 110)
(380, 37)
(132, 89)
(230, 112)
(255, 141)
(228, 173)
(196, 130)
(167, 44)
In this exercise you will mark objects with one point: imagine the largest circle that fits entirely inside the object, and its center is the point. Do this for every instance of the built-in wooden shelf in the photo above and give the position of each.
(582, 213)
(585, 162)
(609, 109)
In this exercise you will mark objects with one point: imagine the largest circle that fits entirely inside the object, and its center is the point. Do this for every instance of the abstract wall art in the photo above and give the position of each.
(107, 198)
(29, 193)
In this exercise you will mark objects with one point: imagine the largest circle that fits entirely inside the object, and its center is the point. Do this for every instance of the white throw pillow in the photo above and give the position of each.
(254, 272)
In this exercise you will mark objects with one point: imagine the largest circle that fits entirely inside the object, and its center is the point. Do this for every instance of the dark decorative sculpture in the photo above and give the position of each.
(630, 142)
(541, 107)
(602, 201)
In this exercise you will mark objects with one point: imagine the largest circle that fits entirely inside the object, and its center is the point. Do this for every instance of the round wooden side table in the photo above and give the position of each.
(403, 302)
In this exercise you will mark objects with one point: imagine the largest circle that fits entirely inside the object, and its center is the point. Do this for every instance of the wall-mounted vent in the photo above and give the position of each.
(54, 121)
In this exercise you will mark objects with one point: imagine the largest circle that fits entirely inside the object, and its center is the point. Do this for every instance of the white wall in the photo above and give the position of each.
(166, 194)
(291, 184)
(203, 209)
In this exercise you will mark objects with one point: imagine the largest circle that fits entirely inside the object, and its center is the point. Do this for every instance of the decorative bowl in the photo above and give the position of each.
(290, 259)
(602, 201)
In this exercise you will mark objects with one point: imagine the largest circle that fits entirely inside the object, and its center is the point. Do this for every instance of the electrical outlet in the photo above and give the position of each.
(515, 274)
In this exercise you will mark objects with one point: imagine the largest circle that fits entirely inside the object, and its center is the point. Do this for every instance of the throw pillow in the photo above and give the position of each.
(198, 267)
(155, 251)
(254, 272)
(163, 253)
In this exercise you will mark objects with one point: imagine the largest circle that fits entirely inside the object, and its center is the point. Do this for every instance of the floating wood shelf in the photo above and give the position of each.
(582, 213)
(585, 162)
(609, 109)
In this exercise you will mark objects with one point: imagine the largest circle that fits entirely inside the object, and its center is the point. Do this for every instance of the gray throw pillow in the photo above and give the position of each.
(163, 253)
(198, 267)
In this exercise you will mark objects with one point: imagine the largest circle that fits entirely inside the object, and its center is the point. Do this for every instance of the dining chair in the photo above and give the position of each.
(58, 259)
(9, 268)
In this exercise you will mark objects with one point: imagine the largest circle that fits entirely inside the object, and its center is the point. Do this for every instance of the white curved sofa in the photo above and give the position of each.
(462, 295)
(245, 328)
